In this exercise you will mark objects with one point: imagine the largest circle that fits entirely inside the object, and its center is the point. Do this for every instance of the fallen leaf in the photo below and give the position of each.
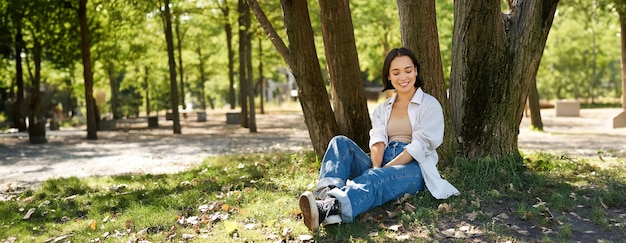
(444, 207)
(502, 216)
(249, 226)
(396, 228)
(29, 213)
(92, 225)
(394, 213)
(305, 237)
(129, 223)
(409, 207)
(403, 237)
(286, 232)
(471, 216)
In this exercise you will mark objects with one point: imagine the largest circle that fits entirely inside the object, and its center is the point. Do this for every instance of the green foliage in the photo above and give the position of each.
(582, 54)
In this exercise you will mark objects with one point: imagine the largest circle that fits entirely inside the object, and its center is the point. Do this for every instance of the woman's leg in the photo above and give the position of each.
(343, 160)
(375, 187)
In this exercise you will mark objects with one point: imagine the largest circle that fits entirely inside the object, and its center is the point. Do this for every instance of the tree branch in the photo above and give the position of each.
(270, 31)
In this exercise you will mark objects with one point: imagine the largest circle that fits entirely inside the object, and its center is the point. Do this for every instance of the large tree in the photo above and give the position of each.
(495, 58)
(418, 24)
(301, 57)
(348, 95)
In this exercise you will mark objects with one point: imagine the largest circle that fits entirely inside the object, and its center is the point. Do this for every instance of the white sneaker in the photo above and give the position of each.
(319, 212)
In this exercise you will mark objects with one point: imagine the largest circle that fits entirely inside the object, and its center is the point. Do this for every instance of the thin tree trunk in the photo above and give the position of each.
(179, 45)
(202, 78)
(620, 119)
(250, 77)
(92, 126)
(36, 118)
(167, 21)
(534, 107)
(232, 97)
(348, 94)
(146, 86)
(18, 117)
(261, 78)
(418, 25)
(243, 76)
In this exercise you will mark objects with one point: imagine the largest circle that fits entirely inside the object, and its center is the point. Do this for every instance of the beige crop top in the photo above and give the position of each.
(399, 130)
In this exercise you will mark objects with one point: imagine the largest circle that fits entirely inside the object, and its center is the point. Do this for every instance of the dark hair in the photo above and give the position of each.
(398, 52)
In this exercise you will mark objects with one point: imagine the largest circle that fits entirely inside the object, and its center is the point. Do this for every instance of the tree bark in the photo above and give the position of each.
(146, 86)
(231, 60)
(622, 22)
(243, 75)
(19, 120)
(167, 22)
(534, 107)
(92, 126)
(202, 78)
(179, 46)
(319, 117)
(348, 94)
(36, 118)
(495, 58)
(418, 25)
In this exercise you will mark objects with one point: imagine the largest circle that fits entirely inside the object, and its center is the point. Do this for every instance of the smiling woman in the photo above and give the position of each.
(407, 128)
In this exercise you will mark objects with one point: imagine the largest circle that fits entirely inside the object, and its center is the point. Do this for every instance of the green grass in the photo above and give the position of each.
(253, 198)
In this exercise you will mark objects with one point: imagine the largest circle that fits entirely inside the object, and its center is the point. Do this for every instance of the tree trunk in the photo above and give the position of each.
(348, 94)
(179, 45)
(495, 58)
(231, 60)
(534, 107)
(318, 115)
(202, 78)
(418, 25)
(36, 118)
(622, 22)
(146, 86)
(167, 22)
(250, 77)
(114, 87)
(92, 126)
(243, 45)
(19, 120)
(261, 78)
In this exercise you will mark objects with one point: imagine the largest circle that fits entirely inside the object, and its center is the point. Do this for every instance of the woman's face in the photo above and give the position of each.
(402, 74)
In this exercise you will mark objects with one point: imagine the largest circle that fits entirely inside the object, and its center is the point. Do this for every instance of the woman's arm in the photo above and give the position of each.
(403, 158)
(377, 151)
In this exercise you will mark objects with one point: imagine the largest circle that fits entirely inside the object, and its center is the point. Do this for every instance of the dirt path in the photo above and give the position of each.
(142, 150)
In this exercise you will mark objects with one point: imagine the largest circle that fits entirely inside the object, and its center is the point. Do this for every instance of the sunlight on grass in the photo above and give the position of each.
(253, 197)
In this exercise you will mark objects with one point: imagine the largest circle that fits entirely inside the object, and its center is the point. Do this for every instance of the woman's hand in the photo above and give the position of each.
(403, 158)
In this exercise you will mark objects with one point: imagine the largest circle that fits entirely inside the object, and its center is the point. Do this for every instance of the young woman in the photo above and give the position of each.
(406, 131)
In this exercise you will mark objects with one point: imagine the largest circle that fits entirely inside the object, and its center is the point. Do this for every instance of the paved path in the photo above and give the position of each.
(142, 150)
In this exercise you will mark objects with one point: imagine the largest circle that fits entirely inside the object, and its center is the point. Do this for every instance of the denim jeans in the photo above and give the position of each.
(369, 188)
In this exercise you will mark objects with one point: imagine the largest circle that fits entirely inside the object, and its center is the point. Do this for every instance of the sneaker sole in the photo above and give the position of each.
(308, 206)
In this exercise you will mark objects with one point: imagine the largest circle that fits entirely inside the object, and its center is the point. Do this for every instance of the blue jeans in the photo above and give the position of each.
(370, 188)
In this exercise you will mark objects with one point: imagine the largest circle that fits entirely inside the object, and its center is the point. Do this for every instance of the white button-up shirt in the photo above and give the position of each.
(427, 123)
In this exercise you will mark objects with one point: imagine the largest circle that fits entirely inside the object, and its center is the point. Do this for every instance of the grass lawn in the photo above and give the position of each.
(253, 198)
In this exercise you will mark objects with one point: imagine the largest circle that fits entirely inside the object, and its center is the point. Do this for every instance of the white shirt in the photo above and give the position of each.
(427, 123)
